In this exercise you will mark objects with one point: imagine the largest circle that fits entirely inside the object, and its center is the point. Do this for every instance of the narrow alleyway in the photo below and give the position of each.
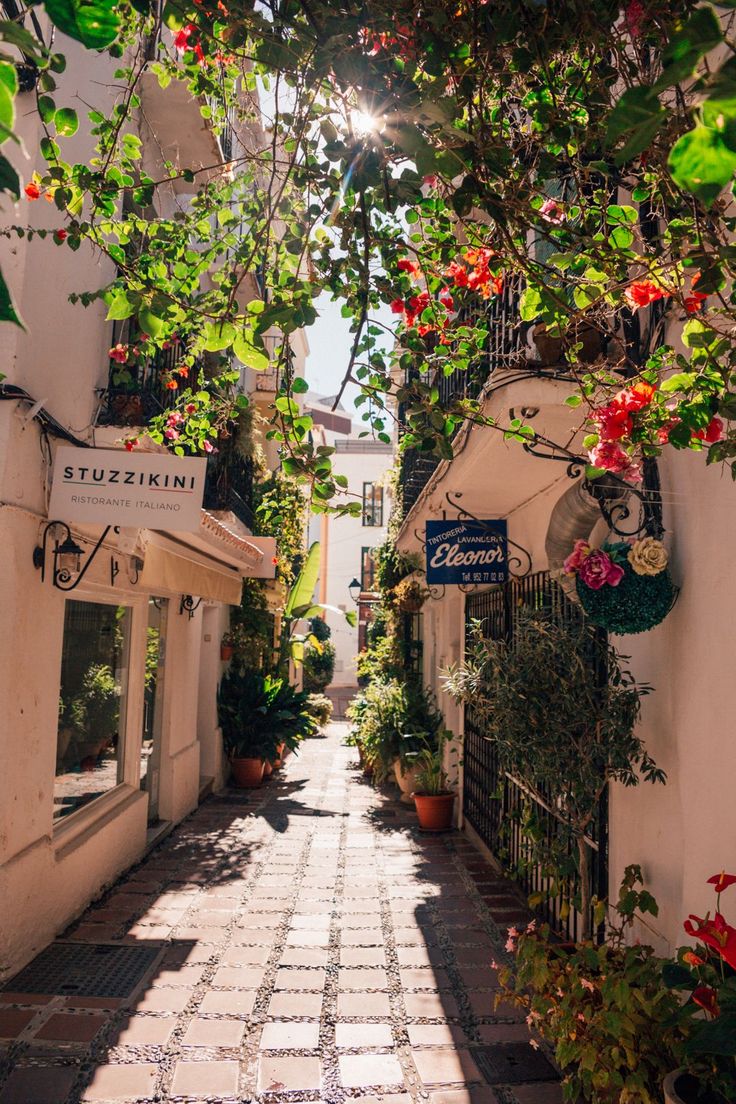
(301, 942)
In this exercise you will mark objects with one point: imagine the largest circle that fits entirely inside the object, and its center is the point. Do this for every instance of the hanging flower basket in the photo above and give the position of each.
(410, 595)
(624, 587)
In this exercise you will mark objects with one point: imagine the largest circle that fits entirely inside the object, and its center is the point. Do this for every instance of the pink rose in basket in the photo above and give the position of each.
(574, 561)
(598, 569)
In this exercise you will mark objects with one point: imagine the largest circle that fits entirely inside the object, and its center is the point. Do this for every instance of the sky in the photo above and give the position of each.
(330, 342)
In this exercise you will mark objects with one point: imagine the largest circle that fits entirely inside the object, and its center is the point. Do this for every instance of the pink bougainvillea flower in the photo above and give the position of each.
(712, 433)
(598, 570)
(707, 998)
(611, 457)
(430, 180)
(32, 191)
(716, 934)
(119, 353)
(635, 398)
(181, 39)
(412, 268)
(191, 408)
(130, 444)
(722, 881)
(643, 292)
(552, 212)
(580, 550)
(208, 446)
(172, 434)
(635, 17)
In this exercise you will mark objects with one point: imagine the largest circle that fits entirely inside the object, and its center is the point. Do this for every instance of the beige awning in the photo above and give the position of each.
(165, 572)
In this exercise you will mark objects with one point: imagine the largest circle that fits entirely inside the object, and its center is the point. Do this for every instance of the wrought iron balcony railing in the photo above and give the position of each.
(505, 343)
(138, 392)
(229, 486)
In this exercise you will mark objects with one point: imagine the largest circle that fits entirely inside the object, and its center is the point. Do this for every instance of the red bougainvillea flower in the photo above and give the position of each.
(635, 16)
(613, 422)
(713, 432)
(715, 933)
(457, 273)
(663, 433)
(61, 235)
(707, 998)
(694, 301)
(446, 300)
(397, 306)
(191, 408)
(171, 434)
(172, 385)
(722, 881)
(181, 39)
(693, 959)
(636, 397)
(412, 268)
(130, 445)
(32, 191)
(119, 353)
(643, 292)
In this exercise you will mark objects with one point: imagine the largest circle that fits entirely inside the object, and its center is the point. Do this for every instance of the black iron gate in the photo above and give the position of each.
(499, 806)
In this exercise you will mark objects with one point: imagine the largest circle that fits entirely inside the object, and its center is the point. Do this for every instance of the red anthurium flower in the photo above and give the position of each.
(722, 881)
(716, 934)
(32, 191)
(707, 998)
(693, 959)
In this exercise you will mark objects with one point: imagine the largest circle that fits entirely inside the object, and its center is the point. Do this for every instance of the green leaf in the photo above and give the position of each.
(702, 163)
(218, 335)
(150, 323)
(120, 307)
(9, 181)
(715, 1037)
(676, 976)
(681, 381)
(8, 312)
(638, 114)
(248, 354)
(66, 122)
(301, 592)
(299, 385)
(8, 90)
(94, 23)
(686, 46)
(530, 305)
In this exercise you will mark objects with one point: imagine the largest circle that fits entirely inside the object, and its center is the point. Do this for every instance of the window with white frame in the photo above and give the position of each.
(372, 504)
(92, 702)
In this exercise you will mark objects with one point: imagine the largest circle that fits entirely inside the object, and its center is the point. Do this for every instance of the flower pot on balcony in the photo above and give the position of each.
(551, 349)
(434, 811)
(226, 652)
(247, 773)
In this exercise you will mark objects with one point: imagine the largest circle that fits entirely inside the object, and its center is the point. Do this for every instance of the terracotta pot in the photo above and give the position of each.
(267, 768)
(247, 773)
(684, 1088)
(406, 780)
(277, 763)
(367, 769)
(226, 652)
(435, 811)
(550, 349)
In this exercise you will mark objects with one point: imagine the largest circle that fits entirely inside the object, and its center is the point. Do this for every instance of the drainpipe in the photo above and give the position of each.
(573, 517)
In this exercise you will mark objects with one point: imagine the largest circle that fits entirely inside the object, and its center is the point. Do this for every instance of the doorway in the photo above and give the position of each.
(153, 702)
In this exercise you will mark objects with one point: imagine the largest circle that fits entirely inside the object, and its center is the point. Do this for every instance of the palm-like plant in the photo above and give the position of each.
(258, 713)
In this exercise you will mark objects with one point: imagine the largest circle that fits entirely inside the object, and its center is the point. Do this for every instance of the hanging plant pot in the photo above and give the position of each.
(247, 773)
(637, 604)
(226, 652)
(434, 811)
(683, 1088)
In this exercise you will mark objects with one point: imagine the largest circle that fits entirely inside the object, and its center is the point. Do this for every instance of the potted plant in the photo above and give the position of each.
(706, 973)
(433, 798)
(561, 711)
(406, 764)
(227, 645)
(410, 595)
(623, 586)
(601, 1007)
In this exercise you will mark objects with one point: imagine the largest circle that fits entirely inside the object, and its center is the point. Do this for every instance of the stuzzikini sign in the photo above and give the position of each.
(148, 490)
(467, 552)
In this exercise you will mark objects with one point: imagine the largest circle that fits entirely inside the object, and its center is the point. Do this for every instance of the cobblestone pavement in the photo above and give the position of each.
(311, 945)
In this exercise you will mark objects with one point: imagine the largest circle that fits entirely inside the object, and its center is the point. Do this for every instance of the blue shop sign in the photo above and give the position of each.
(467, 552)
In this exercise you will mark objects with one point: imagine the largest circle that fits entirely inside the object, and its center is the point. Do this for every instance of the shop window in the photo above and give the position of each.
(372, 504)
(92, 699)
(153, 702)
(367, 570)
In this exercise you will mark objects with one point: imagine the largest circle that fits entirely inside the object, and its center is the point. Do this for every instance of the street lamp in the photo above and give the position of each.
(67, 568)
(355, 589)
